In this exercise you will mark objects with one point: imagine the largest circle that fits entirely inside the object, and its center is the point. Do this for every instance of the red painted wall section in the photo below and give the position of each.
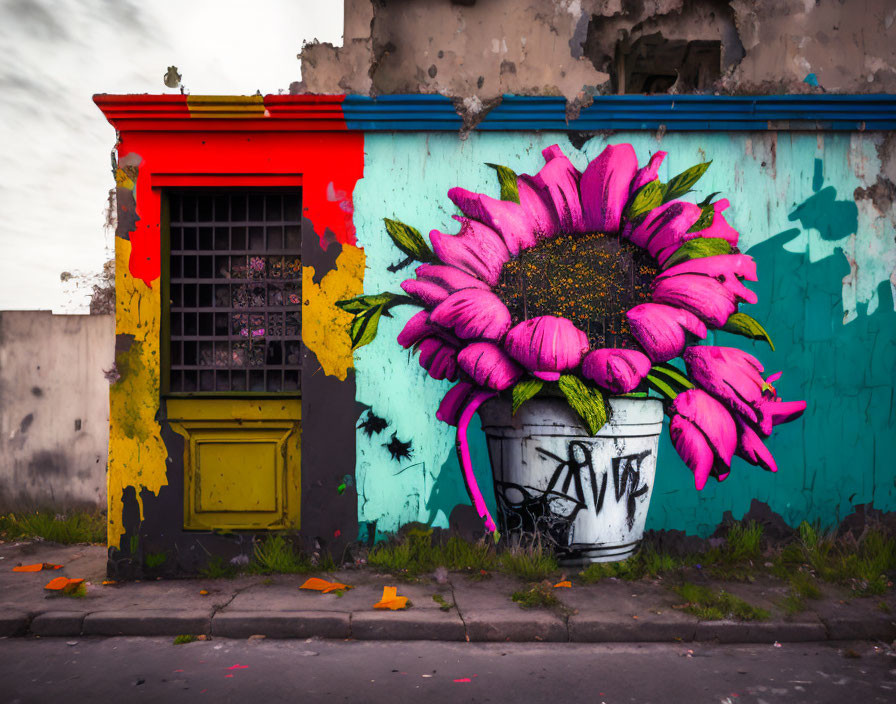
(330, 164)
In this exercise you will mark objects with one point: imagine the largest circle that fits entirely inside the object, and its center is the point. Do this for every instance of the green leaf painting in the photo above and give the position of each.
(525, 390)
(507, 178)
(743, 324)
(585, 400)
(409, 241)
(684, 182)
(697, 248)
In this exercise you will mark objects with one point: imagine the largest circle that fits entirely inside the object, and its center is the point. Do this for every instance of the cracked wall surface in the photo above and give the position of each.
(476, 52)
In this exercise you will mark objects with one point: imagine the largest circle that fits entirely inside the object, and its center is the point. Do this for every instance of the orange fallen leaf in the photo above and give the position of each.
(203, 592)
(322, 585)
(63, 584)
(565, 583)
(109, 582)
(391, 600)
(36, 568)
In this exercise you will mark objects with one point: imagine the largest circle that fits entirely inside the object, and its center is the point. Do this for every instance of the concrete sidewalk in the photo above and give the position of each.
(480, 610)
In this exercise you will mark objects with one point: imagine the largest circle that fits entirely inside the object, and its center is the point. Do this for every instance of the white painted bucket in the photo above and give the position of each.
(585, 495)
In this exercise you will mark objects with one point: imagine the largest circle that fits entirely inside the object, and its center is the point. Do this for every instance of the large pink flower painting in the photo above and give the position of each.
(586, 285)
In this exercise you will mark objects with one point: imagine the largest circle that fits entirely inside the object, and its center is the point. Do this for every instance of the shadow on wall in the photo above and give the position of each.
(839, 454)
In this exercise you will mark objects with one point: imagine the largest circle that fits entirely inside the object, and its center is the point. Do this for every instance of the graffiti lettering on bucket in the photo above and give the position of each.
(574, 486)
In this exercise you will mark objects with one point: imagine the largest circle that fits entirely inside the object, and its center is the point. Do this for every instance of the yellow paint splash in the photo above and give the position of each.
(137, 453)
(323, 324)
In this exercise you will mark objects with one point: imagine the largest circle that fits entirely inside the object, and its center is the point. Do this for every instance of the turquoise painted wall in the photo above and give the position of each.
(826, 269)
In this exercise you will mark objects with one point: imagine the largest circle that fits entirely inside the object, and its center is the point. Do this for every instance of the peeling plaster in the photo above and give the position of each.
(477, 52)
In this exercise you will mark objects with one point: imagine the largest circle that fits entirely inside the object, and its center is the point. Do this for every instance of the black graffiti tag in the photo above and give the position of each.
(626, 477)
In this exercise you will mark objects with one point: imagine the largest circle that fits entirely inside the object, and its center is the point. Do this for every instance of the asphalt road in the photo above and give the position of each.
(155, 670)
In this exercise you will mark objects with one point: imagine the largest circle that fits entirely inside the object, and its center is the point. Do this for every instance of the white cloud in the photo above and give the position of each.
(55, 166)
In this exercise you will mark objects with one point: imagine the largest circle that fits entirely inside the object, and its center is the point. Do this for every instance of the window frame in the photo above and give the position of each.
(165, 184)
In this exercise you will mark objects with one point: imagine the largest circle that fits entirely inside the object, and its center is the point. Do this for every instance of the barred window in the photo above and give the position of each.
(235, 296)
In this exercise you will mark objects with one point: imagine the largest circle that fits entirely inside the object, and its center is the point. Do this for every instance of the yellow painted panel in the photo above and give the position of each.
(323, 324)
(241, 462)
(237, 475)
(237, 409)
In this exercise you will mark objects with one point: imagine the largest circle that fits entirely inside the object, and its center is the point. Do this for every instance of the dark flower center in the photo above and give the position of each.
(590, 279)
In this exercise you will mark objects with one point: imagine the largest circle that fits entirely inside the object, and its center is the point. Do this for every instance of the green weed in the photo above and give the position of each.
(218, 568)
(537, 596)
(180, 640)
(75, 527)
(277, 555)
(647, 562)
(417, 554)
(743, 543)
(443, 605)
(532, 563)
(707, 605)
(155, 559)
(801, 586)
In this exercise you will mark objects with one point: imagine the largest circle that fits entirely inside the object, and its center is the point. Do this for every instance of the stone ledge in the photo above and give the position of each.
(58, 623)
(281, 624)
(426, 624)
(147, 623)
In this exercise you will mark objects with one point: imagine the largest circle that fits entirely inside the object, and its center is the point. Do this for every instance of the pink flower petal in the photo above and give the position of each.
(648, 173)
(547, 376)
(489, 366)
(508, 219)
(605, 187)
(546, 344)
(619, 370)
(751, 448)
(453, 403)
(430, 293)
(728, 269)
(535, 203)
(438, 358)
(559, 181)
(476, 249)
(665, 227)
(472, 313)
(711, 418)
(774, 412)
(660, 330)
(693, 448)
(448, 277)
(729, 374)
(703, 296)
(416, 329)
(720, 227)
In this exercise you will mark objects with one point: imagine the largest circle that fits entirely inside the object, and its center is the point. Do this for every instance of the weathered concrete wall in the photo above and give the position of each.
(825, 246)
(478, 51)
(54, 409)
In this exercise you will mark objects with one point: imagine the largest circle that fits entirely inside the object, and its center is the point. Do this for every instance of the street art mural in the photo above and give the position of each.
(583, 286)
(823, 290)
(806, 210)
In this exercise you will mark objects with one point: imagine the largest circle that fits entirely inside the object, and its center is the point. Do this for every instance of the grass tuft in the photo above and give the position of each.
(417, 554)
(182, 639)
(647, 562)
(68, 529)
(155, 559)
(277, 555)
(707, 605)
(218, 568)
(532, 563)
(539, 595)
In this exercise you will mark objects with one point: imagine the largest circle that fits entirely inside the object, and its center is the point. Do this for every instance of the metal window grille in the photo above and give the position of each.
(235, 291)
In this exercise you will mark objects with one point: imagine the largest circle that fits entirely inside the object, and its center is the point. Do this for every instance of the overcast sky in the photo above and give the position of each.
(55, 166)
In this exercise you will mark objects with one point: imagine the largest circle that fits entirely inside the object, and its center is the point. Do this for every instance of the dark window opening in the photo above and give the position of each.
(235, 292)
(654, 64)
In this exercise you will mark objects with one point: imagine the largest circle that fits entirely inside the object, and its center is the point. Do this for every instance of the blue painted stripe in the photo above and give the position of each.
(639, 112)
